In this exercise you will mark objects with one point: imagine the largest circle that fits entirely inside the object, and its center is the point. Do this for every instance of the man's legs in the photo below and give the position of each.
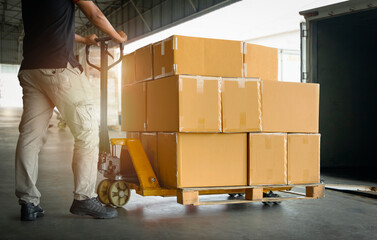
(71, 93)
(37, 111)
(74, 99)
(69, 90)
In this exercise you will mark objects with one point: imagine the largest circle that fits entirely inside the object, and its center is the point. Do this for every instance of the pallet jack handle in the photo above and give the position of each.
(104, 141)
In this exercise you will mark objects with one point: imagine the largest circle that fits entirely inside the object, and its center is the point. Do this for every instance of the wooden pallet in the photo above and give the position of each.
(190, 196)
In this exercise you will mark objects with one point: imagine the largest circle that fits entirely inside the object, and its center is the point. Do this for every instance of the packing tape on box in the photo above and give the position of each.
(245, 48)
(243, 120)
(199, 85)
(175, 43)
(162, 48)
(180, 84)
(219, 104)
(259, 89)
(242, 48)
(286, 157)
(244, 70)
(241, 82)
(201, 123)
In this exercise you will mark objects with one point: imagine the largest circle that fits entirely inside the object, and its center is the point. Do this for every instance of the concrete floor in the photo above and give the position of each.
(337, 216)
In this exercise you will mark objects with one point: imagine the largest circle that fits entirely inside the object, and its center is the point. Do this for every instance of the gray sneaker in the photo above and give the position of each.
(92, 207)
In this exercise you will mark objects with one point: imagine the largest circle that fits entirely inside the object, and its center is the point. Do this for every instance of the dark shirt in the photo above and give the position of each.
(49, 34)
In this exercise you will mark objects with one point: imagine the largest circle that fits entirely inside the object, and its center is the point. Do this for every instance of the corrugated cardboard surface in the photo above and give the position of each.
(184, 104)
(144, 63)
(167, 159)
(267, 158)
(197, 56)
(290, 107)
(241, 105)
(202, 160)
(134, 107)
(149, 142)
(260, 62)
(163, 58)
(128, 69)
(303, 158)
(250, 105)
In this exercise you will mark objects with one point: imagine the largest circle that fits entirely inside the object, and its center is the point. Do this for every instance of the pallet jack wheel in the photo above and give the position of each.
(102, 191)
(270, 194)
(119, 193)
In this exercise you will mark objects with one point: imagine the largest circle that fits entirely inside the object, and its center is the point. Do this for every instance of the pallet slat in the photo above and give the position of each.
(190, 196)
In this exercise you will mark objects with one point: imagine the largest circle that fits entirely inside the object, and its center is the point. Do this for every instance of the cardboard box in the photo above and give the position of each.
(197, 56)
(202, 159)
(303, 158)
(267, 158)
(250, 105)
(184, 104)
(149, 142)
(144, 63)
(134, 107)
(128, 69)
(260, 62)
(241, 105)
(290, 107)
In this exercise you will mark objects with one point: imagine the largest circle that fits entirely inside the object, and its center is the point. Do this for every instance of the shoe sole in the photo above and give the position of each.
(92, 215)
(32, 216)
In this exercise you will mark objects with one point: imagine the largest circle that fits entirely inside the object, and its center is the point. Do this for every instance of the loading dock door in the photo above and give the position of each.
(345, 64)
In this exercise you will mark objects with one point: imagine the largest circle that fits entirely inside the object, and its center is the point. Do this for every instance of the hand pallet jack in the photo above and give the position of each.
(115, 189)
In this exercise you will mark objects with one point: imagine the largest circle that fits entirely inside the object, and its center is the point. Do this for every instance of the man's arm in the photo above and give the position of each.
(89, 40)
(96, 17)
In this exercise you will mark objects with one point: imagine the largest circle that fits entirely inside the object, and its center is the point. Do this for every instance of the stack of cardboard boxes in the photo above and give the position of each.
(212, 113)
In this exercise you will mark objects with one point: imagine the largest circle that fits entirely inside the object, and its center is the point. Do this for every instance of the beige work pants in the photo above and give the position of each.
(69, 90)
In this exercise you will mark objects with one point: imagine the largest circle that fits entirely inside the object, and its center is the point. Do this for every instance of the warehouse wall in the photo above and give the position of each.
(346, 63)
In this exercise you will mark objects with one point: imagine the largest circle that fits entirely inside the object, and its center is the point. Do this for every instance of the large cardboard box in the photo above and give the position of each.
(149, 142)
(202, 159)
(303, 158)
(197, 56)
(144, 63)
(267, 158)
(134, 107)
(184, 104)
(250, 105)
(128, 69)
(260, 62)
(241, 110)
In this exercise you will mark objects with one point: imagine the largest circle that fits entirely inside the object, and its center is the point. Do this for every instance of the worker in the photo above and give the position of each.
(51, 76)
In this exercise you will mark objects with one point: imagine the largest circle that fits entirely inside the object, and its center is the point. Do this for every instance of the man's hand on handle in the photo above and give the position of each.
(122, 35)
(89, 40)
(98, 19)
